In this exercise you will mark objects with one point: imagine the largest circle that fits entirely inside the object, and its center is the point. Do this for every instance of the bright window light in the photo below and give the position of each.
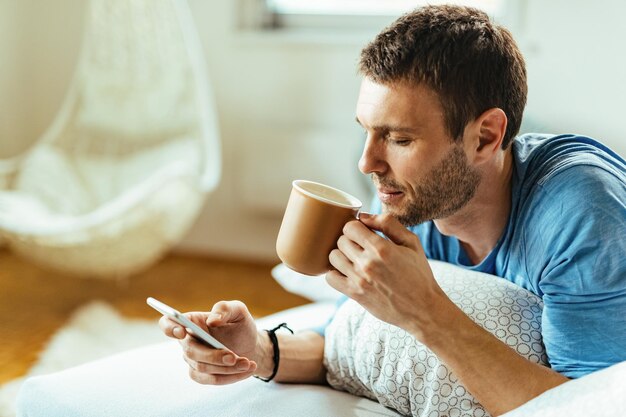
(369, 7)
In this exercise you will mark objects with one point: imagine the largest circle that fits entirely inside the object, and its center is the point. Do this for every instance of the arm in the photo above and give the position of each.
(583, 271)
(301, 357)
(251, 351)
(393, 281)
(496, 375)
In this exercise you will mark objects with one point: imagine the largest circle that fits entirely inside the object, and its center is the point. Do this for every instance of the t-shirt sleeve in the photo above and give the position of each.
(580, 219)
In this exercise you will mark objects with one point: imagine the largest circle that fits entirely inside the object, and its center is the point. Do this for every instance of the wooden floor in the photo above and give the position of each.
(34, 303)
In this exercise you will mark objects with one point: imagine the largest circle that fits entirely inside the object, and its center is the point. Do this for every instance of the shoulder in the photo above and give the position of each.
(572, 216)
(583, 190)
(563, 178)
(578, 231)
(539, 157)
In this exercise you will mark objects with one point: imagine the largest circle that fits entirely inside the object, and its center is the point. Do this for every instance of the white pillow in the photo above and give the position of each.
(314, 288)
(374, 359)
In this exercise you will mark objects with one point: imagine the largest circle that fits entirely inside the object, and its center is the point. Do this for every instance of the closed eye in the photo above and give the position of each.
(397, 139)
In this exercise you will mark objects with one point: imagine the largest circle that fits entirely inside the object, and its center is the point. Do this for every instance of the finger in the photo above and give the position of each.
(359, 233)
(172, 329)
(199, 352)
(242, 365)
(340, 262)
(199, 318)
(392, 228)
(192, 364)
(349, 248)
(211, 379)
(337, 280)
(226, 312)
(354, 286)
(354, 276)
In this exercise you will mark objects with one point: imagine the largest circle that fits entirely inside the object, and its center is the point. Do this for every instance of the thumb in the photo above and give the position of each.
(225, 312)
(390, 227)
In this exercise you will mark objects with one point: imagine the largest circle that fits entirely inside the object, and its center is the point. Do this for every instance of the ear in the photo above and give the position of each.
(489, 130)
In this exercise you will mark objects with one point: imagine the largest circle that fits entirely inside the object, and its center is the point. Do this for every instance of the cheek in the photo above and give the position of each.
(410, 173)
(413, 167)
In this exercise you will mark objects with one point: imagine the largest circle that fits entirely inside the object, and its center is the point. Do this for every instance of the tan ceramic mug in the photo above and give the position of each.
(313, 222)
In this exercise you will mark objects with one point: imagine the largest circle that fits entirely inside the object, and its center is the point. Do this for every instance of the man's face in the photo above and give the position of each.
(419, 172)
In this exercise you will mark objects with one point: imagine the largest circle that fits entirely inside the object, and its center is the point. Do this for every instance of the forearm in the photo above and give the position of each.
(497, 376)
(301, 357)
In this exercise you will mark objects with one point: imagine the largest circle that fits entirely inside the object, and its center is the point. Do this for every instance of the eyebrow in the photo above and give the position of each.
(389, 128)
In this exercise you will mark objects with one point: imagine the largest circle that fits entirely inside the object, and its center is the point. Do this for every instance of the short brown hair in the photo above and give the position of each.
(472, 64)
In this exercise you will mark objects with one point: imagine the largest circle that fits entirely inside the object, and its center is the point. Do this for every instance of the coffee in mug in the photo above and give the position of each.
(312, 224)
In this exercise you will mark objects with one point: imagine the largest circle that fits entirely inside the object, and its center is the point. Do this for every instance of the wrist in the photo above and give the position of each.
(271, 333)
(264, 355)
(440, 325)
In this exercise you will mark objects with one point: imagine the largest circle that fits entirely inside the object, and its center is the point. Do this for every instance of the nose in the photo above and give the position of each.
(372, 158)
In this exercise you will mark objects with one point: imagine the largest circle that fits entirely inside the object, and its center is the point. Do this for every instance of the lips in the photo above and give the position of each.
(388, 195)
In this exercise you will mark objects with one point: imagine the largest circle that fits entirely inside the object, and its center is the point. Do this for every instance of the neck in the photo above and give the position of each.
(480, 224)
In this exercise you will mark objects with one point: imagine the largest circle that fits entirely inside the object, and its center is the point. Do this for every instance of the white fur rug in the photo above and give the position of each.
(95, 330)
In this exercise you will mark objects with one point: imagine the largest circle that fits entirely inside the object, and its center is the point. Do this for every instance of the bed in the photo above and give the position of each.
(153, 381)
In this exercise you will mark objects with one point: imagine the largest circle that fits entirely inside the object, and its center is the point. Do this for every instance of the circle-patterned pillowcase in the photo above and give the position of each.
(370, 358)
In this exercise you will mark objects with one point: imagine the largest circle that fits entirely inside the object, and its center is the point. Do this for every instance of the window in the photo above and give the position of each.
(364, 7)
(350, 14)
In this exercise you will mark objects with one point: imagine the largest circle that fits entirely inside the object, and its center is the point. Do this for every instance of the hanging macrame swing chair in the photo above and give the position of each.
(123, 170)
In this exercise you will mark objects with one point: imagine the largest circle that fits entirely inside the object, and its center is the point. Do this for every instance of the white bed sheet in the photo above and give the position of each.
(153, 381)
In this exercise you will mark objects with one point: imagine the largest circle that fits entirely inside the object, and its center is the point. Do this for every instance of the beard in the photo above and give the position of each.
(447, 188)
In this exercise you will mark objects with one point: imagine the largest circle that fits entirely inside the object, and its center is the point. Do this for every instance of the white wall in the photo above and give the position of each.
(11, 113)
(577, 68)
(286, 112)
(286, 104)
(39, 43)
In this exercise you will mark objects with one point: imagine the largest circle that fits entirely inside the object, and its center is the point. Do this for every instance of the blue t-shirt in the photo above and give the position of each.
(565, 241)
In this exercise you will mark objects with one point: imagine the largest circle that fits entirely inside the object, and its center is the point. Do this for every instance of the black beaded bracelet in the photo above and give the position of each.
(272, 334)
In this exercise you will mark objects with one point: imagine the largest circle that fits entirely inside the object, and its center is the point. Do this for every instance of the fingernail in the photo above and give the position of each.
(243, 366)
(178, 332)
(214, 316)
(228, 359)
(364, 215)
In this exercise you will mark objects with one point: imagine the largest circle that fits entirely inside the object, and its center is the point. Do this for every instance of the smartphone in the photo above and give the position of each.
(181, 319)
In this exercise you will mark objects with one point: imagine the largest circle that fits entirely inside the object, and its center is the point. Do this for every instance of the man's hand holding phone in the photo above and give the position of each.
(230, 323)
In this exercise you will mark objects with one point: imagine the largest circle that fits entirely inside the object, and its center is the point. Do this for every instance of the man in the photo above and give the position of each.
(441, 102)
